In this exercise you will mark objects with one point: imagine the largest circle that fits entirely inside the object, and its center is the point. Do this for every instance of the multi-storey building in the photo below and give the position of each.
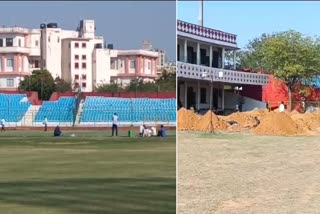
(203, 80)
(77, 56)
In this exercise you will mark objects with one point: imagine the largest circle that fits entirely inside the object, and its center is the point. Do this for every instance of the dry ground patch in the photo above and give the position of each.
(246, 173)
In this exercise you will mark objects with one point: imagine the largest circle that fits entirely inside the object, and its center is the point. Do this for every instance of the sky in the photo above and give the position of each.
(124, 24)
(249, 19)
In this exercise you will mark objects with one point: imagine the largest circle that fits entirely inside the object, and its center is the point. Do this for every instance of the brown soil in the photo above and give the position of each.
(244, 120)
(204, 122)
(186, 119)
(275, 123)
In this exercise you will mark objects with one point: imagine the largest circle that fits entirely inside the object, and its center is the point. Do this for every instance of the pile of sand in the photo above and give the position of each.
(307, 121)
(204, 122)
(274, 123)
(186, 119)
(244, 120)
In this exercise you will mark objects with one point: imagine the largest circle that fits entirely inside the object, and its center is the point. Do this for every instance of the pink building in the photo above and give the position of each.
(134, 64)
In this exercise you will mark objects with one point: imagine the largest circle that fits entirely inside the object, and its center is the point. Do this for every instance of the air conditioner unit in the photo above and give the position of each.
(220, 74)
(204, 74)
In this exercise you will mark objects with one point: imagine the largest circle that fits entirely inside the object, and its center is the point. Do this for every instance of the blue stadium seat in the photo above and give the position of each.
(61, 110)
(101, 109)
(13, 106)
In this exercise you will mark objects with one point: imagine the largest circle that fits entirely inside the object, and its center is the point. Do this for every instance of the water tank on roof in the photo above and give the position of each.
(110, 46)
(98, 46)
(42, 26)
(52, 25)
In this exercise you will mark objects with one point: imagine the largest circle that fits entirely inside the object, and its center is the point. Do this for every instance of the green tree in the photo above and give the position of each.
(62, 85)
(167, 81)
(112, 87)
(289, 56)
(40, 81)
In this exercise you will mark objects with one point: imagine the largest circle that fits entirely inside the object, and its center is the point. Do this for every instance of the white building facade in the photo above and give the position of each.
(76, 56)
(203, 80)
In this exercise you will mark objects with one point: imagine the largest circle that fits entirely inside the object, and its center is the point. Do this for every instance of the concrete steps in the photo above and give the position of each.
(30, 115)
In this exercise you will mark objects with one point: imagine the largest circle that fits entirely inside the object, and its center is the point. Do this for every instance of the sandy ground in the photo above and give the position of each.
(243, 173)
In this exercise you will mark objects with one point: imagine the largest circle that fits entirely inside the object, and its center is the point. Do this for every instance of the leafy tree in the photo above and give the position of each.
(288, 55)
(167, 81)
(40, 81)
(62, 85)
(113, 87)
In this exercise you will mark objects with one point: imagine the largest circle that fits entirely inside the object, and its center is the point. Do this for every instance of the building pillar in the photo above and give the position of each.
(185, 52)
(22, 63)
(211, 93)
(138, 66)
(185, 94)
(2, 63)
(15, 63)
(210, 56)
(154, 67)
(198, 53)
(234, 60)
(222, 97)
(144, 65)
(198, 95)
(223, 57)
(126, 65)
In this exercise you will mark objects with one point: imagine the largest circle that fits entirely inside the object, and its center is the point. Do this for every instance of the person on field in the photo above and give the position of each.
(115, 120)
(45, 123)
(282, 107)
(162, 132)
(142, 128)
(3, 124)
(57, 132)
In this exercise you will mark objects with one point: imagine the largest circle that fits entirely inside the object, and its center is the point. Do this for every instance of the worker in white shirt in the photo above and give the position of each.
(45, 123)
(281, 107)
(3, 124)
(142, 128)
(115, 121)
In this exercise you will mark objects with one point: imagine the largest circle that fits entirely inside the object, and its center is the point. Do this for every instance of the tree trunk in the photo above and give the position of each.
(289, 98)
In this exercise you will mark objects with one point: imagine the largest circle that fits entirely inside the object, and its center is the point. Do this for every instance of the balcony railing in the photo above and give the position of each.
(199, 72)
(206, 32)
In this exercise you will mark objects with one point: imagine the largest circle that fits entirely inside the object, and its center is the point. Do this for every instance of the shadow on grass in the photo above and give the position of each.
(93, 196)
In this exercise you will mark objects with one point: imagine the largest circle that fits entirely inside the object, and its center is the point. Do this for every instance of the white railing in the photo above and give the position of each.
(206, 32)
(199, 72)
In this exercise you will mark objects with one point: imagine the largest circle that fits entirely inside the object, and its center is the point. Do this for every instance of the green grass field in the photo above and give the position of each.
(89, 173)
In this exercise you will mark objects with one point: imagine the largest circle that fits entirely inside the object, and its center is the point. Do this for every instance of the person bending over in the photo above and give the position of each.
(57, 132)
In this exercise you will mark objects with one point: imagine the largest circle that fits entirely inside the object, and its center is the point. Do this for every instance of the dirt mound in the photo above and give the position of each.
(244, 120)
(307, 121)
(259, 113)
(186, 119)
(203, 123)
(274, 123)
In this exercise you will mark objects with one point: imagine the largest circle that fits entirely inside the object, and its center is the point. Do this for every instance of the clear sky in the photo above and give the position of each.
(249, 19)
(125, 24)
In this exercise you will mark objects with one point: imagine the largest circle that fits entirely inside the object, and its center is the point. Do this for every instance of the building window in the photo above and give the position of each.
(10, 83)
(84, 65)
(1, 42)
(9, 62)
(19, 41)
(76, 45)
(76, 77)
(36, 63)
(58, 39)
(84, 45)
(113, 64)
(149, 65)
(76, 65)
(9, 42)
(76, 84)
(203, 95)
(37, 43)
(76, 57)
(84, 76)
(84, 57)
(132, 64)
(84, 85)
